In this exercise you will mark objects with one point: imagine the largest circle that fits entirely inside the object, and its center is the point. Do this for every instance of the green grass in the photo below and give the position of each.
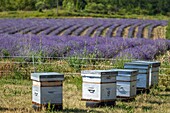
(15, 94)
(67, 14)
(16, 97)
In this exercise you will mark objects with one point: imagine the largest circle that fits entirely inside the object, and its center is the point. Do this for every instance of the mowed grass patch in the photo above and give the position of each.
(16, 97)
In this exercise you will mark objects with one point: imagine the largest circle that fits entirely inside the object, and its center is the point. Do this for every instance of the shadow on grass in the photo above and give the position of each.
(157, 102)
(124, 106)
(146, 108)
(131, 108)
(74, 110)
(78, 110)
(3, 109)
(167, 90)
(164, 95)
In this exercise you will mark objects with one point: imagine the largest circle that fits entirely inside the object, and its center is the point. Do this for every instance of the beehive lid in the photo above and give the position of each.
(154, 64)
(47, 76)
(137, 65)
(126, 72)
(98, 73)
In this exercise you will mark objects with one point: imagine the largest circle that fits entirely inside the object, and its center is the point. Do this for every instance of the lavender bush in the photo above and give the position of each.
(69, 46)
(75, 26)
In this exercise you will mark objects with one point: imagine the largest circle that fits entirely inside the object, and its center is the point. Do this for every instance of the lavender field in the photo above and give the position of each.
(82, 37)
(92, 27)
(70, 45)
(67, 46)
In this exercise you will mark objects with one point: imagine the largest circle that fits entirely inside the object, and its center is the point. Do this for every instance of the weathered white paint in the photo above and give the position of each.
(153, 71)
(126, 89)
(143, 74)
(45, 95)
(155, 78)
(99, 85)
(143, 81)
(47, 88)
(91, 91)
(99, 76)
(126, 82)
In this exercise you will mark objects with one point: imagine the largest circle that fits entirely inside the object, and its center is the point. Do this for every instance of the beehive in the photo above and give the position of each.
(47, 90)
(143, 73)
(153, 72)
(126, 83)
(99, 85)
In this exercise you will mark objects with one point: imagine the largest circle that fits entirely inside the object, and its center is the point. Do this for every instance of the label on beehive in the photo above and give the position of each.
(92, 91)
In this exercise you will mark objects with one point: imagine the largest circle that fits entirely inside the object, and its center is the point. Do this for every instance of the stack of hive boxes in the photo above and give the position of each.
(153, 72)
(126, 83)
(99, 87)
(143, 73)
(47, 90)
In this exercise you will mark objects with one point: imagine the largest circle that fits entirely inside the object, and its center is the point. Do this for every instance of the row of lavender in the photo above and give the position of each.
(67, 46)
(92, 27)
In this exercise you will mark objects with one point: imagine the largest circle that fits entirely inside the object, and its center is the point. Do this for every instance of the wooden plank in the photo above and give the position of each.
(91, 100)
(47, 83)
(125, 99)
(100, 104)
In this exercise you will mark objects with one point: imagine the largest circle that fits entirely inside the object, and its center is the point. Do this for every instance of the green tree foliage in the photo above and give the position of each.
(40, 5)
(6, 5)
(150, 7)
(74, 4)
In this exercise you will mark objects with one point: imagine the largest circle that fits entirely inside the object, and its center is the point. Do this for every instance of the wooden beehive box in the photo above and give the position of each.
(47, 89)
(99, 85)
(143, 73)
(153, 72)
(126, 83)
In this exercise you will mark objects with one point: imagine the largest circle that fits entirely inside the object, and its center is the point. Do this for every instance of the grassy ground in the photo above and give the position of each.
(67, 14)
(15, 95)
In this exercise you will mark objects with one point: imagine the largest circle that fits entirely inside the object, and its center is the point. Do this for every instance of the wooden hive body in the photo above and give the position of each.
(47, 89)
(99, 85)
(143, 73)
(126, 82)
(153, 71)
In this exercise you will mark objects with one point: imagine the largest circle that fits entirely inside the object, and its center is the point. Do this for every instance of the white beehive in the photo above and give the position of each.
(126, 82)
(153, 72)
(99, 85)
(47, 89)
(143, 73)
